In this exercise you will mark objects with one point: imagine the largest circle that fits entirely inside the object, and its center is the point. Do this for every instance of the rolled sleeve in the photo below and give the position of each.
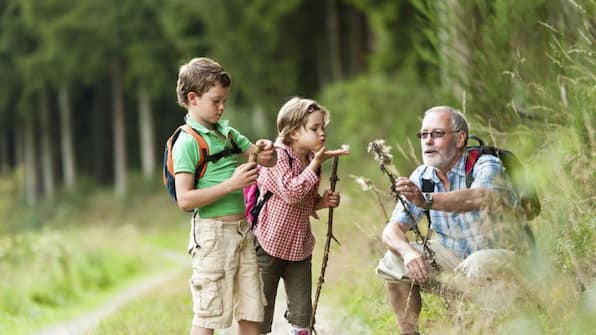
(241, 141)
(401, 216)
(185, 154)
(487, 173)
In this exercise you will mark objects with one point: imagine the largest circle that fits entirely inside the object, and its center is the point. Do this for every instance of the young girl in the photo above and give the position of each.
(285, 240)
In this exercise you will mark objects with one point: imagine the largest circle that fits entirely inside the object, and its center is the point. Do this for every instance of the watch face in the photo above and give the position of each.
(428, 200)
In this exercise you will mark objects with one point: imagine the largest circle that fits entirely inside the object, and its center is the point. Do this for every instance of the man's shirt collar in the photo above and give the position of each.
(458, 169)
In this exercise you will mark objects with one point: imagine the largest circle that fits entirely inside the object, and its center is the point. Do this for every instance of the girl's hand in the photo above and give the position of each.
(329, 200)
(323, 154)
(267, 155)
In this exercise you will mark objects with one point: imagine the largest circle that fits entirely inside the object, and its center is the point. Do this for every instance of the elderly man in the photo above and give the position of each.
(462, 218)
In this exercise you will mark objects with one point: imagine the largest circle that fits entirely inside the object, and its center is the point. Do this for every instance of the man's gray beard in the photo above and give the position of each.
(440, 162)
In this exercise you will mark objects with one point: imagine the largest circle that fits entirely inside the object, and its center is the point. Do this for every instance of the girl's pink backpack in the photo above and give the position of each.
(254, 202)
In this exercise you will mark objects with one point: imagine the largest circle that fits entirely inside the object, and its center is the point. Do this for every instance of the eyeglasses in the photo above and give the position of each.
(437, 133)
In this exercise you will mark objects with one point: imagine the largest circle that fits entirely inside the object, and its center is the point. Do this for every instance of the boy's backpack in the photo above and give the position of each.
(514, 169)
(253, 201)
(168, 162)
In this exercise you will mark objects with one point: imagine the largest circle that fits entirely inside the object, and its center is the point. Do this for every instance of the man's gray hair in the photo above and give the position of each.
(458, 120)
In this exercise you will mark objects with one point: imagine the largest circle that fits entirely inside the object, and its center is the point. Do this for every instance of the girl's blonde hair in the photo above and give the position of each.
(294, 114)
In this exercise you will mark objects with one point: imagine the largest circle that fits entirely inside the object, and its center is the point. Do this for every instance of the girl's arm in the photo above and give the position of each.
(280, 180)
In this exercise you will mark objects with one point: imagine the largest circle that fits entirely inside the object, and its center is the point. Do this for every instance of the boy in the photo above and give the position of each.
(225, 276)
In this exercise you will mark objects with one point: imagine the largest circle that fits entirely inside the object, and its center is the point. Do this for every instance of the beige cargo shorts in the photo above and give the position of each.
(225, 282)
(482, 264)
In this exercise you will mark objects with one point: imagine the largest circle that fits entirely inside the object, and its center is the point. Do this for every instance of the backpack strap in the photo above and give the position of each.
(203, 150)
(262, 200)
(427, 187)
(226, 152)
(473, 154)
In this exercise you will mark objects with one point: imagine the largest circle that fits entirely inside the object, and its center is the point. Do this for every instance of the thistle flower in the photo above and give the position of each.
(365, 183)
(381, 151)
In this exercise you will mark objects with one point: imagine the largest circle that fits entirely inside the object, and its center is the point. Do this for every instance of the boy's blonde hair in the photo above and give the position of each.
(293, 115)
(199, 75)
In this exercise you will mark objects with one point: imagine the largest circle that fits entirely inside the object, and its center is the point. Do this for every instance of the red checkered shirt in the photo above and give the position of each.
(283, 228)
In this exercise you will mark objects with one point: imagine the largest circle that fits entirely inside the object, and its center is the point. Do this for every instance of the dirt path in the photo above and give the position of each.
(330, 320)
(83, 324)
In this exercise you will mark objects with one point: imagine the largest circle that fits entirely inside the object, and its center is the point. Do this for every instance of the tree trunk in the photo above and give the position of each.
(453, 48)
(47, 164)
(119, 126)
(66, 138)
(30, 176)
(334, 41)
(4, 164)
(355, 42)
(146, 133)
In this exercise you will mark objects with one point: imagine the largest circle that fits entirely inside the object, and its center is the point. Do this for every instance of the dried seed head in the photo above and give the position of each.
(365, 183)
(381, 151)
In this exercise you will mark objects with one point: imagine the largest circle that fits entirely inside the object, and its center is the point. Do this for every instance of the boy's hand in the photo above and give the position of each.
(267, 154)
(329, 200)
(244, 175)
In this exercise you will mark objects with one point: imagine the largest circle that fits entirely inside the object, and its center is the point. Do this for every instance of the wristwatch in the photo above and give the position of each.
(428, 200)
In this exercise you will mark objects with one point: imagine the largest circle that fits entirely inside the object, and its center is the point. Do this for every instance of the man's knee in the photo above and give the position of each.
(399, 290)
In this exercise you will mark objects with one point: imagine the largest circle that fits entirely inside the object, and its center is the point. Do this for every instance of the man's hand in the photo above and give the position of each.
(415, 266)
(410, 191)
(267, 155)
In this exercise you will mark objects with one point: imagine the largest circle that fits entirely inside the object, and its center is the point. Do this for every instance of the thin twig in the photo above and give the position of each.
(384, 157)
(332, 180)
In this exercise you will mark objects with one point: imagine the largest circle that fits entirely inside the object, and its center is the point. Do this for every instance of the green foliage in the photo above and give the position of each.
(396, 33)
(266, 31)
(376, 106)
(495, 52)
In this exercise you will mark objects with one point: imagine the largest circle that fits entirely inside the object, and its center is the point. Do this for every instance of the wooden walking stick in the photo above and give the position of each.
(332, 180)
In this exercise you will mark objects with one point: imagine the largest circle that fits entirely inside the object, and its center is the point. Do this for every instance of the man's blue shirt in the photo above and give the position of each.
(463, 232)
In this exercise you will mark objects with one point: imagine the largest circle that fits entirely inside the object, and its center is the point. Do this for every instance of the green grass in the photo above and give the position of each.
(85, 250)
(166, 310)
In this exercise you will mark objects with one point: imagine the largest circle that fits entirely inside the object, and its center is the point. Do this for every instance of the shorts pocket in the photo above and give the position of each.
(207, 295)
(206, 240)
(262, 288)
